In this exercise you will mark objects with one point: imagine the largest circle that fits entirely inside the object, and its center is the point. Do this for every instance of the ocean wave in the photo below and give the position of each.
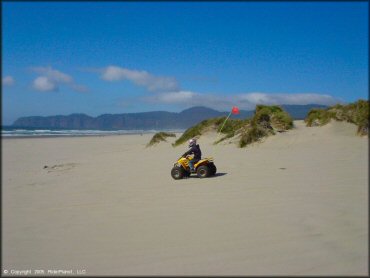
(48, 132)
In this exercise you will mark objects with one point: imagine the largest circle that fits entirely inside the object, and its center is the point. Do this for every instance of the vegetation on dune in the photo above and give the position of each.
(214, 124)
(266, 120)
(318, 117)
(160, 137)
(198, 129)
(275, 116)
(231, 128)
(356, 113)
(253, 134)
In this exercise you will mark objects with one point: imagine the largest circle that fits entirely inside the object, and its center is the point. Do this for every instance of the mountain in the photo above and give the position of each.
(145, 120)
(299, 112)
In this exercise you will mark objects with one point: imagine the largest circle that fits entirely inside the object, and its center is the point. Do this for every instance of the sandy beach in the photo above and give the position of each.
(295, 204)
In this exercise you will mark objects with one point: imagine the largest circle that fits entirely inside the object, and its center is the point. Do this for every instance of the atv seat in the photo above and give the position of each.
(204, 160)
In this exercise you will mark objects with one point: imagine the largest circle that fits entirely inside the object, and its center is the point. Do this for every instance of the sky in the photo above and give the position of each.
(95, 58)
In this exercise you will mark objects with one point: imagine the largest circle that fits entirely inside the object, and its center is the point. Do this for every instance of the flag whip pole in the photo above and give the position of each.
(223, 125)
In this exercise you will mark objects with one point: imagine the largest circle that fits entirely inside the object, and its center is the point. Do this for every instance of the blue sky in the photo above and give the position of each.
(119, 57)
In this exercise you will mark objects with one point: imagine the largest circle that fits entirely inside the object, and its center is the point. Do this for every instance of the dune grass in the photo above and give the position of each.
(214, 124)
(198, 129)
(253, 134)
(231, 128)
(318, 117)
(266, 120)
(356, 113)
(274, 115)
(160, 137)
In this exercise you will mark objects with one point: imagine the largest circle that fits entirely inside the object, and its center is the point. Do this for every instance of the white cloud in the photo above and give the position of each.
(188, 99)
(254, 98)
(44, 84)
(140, 78)
(176, 97)
(299, 99)
(7, 81)
(79, 88)
(245, 101)
(50, 80)
(53, 74)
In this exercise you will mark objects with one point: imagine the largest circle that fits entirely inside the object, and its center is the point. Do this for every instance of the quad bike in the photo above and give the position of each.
(203, 168)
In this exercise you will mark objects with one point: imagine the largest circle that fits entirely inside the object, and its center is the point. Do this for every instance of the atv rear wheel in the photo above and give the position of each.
(203, 171)
(213, 168)
(177, 173)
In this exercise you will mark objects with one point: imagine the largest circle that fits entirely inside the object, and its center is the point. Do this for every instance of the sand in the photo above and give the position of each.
(295, 204)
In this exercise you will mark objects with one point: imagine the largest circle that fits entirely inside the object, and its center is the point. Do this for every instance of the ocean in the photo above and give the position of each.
(15, 132)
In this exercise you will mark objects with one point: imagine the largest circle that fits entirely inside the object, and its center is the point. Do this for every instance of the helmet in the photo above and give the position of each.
(192, 142)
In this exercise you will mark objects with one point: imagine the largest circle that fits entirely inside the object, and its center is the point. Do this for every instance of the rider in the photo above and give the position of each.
(194, 149)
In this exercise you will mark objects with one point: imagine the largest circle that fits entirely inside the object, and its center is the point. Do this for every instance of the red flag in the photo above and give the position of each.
(235, 110)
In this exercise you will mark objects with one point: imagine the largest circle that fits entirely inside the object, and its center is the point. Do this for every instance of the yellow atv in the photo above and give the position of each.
(203, 168)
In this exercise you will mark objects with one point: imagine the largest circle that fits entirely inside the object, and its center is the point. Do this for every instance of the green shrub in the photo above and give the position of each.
(356, 113)
(268, 109)
(159, 137)
(265, 121)
(318, 117)
(282, 120)
(361, 117)
(253, 134)
(197, 130)
(215, 124)
(232, 127)
(274, 115)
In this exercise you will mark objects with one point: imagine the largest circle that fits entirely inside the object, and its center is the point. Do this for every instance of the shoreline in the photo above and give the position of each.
(66, 136)
(79, 135)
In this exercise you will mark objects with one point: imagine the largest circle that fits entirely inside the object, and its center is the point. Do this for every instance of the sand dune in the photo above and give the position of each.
(296, 204)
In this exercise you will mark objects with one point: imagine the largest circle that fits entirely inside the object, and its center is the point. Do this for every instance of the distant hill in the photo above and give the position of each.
(145, 120)
(299, 112)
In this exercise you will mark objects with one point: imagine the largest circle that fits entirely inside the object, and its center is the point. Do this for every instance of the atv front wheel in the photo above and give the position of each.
(203, 171)
(177, 173)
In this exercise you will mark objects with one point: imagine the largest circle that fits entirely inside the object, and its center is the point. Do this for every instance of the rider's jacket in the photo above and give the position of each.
(194, 150)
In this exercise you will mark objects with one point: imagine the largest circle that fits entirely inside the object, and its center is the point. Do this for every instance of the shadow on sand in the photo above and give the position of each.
(218, 175)
(215, 176)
